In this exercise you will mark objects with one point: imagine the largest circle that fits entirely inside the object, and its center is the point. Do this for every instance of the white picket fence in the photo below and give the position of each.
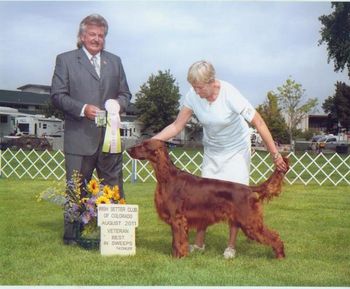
(305, 168)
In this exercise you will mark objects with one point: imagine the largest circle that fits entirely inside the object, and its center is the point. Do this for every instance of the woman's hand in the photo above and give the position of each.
(279, 162)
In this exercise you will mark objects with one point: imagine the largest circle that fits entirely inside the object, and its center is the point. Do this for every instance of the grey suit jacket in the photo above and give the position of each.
(75, 83)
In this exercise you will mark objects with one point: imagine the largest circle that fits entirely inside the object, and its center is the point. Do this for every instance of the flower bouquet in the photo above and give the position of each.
(80, 203)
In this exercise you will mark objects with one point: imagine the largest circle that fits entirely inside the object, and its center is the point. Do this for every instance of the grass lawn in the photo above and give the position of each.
(314, 222)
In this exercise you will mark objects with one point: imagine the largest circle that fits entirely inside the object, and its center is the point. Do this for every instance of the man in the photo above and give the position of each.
(81, 85)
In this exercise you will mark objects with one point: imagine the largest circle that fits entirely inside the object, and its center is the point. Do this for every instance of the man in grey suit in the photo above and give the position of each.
(80, 87)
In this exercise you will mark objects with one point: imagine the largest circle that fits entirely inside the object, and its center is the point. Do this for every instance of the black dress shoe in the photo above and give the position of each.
(70, 242)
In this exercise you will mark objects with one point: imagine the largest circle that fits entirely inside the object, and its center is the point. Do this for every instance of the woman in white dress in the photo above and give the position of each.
(224, 114)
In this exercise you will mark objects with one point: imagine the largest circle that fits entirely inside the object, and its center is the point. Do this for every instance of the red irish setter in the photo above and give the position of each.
(187, 201)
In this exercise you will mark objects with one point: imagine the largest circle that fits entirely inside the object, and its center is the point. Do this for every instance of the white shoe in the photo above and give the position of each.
(194, 247)
(229, 253)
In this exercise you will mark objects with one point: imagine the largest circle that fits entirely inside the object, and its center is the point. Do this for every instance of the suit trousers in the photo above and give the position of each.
(109, 167)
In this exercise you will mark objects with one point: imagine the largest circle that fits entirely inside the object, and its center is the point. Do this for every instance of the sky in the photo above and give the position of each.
(254, 45)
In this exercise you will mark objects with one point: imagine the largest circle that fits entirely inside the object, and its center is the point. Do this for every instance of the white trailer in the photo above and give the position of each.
(39, 126)
(20, 130)
(8, 120)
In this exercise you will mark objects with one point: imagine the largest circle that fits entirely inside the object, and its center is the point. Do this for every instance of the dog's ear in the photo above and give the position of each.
(155, 144)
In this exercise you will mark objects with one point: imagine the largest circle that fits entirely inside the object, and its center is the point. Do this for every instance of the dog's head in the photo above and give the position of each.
(147, 150)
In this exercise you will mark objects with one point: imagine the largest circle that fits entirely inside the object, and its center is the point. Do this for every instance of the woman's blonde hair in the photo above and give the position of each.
(201, 72)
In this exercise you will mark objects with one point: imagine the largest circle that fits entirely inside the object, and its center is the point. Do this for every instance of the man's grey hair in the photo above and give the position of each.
(93, 19)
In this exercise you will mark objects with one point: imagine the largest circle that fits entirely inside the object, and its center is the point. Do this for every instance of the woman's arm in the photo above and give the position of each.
(265, 134)
(174, 128)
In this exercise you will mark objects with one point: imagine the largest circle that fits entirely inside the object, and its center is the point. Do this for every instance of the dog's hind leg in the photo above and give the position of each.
(258, 232)
(230, 251)
(180, 236)
(233, 235)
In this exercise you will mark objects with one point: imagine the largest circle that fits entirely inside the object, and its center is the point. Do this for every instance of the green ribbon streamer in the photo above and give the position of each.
(108, 138)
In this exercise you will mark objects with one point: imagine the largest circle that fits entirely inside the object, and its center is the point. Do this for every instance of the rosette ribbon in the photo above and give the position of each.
(112, 141)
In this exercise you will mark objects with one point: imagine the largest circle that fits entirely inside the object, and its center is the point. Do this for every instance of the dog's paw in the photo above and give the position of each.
(229, 253)
(192, 248)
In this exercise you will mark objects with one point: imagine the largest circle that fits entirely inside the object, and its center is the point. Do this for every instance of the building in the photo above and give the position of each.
(35, 88)
(27, 101)
(316, 122)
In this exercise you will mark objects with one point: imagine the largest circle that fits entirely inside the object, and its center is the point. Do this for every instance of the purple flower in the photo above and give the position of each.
(85, 218)
(75, 208)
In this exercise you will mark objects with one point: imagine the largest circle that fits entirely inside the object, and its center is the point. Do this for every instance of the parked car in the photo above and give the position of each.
(328, 142)
(316, 138)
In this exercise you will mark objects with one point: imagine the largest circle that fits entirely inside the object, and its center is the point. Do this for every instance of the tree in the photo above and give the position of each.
(338, 106)
(329, 107)
(290, 95)
(48, 109)
(335, 32)
(157, 101)
(272, 115)
(194, 128)
(342, 102)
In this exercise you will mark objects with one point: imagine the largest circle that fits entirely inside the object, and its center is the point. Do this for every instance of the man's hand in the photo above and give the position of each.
(91, 111)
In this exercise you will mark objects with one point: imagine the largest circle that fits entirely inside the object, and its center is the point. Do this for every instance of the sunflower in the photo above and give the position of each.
(116, 195)
(84, 200)
(93, 187)
(102, 200)
(107, 192)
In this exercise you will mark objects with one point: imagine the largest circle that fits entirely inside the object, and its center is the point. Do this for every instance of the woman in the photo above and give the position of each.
(224, 114)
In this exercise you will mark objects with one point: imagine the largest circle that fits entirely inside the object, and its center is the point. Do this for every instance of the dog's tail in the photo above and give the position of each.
(272, 187)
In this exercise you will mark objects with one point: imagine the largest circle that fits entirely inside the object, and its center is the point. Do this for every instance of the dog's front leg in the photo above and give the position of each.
(180, 236)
